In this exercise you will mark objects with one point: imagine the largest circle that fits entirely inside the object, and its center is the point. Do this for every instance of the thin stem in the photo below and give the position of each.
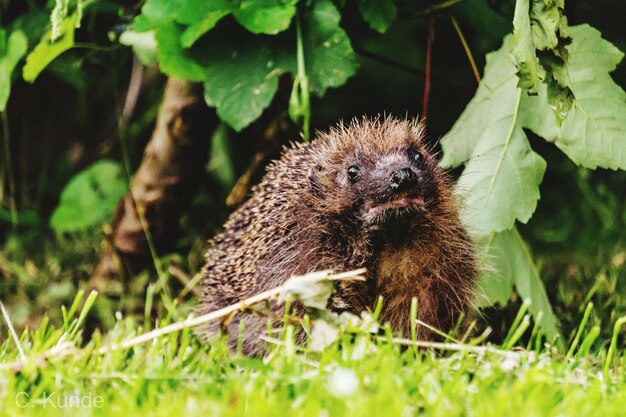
(300, 101)
(9, 168)
(435, 8)
(457, 347)
(429, 45)
(403, 67)
(122, 129)
(302, 76)
(95, 47)
(432, 9)
(217, 314)
(466, 48)
(16, 339)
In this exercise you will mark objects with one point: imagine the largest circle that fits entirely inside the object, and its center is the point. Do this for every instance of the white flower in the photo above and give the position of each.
(343, 383)
(509, 363)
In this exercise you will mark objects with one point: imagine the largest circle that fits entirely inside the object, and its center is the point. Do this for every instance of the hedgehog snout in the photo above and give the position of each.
(402, 180)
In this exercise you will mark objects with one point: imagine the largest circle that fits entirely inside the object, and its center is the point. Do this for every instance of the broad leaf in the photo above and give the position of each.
(241, 71)
(143, 44)
(46, 51)
(90, 197)
(329, 57)
(546, 23)
(494, 99)
(510, 264)
(540, 35)
(199, 28)
(200, 16)
(500, 183)
(190, 12)
(529, 71)
(241, 80)
(155, 13)
(379, 14)
(11, 52)
(174, 60)
(242, 74)
(193, 13)
(594, 132)
(265, 16)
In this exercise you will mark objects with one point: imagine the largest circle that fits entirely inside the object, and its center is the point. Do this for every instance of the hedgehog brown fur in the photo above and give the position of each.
(368, 194)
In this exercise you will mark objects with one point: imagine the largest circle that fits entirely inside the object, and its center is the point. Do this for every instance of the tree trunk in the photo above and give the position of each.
(164, 184)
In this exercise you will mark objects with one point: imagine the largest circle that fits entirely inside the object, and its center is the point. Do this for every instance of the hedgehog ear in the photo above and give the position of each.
(313, 178)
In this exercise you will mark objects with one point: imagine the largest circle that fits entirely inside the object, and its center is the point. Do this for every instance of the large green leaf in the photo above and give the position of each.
(200, 16)
(174, 60)
(594, 132)
(157, 12)
(143, 44)
(329, 57)
(265, 16)
(494, 99)
(46, 51)
(90, 197)
(379, 14)
(529, 71)
(11, 52)
(242, 79)
(258, 16)
(547, 23)
(200, 27)
(242, 72)
(500, 183)
(510, 264)
(540, 35)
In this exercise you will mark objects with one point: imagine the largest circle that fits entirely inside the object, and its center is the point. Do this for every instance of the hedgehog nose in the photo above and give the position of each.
(402, 179)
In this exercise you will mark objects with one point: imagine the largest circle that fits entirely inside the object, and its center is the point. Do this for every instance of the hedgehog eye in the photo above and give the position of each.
(416, 157)
(354, 172)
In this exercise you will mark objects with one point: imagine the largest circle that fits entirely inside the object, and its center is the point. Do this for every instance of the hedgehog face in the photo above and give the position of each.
(380, 173)
(390, 187)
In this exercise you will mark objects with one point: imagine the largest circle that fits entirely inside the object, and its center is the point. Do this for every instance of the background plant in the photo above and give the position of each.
(321, 61)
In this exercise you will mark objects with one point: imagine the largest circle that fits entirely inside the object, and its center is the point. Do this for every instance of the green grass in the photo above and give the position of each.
(361, 374)
(514, 373)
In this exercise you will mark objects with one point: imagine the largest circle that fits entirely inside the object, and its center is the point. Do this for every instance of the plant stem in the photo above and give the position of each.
(214, 315)
(468, 51)
(429, 45)
(300, 101)
(16, 339)
(9, 168)
(432, 9)
(403, 67)
(437, 7)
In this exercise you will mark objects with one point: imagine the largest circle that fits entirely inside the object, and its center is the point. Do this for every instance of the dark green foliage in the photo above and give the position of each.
(90, 197)
(240, 71)
(550, 83)
(12, 48)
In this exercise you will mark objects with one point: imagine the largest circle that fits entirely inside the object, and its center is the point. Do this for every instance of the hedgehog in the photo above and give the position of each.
(364, 194)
